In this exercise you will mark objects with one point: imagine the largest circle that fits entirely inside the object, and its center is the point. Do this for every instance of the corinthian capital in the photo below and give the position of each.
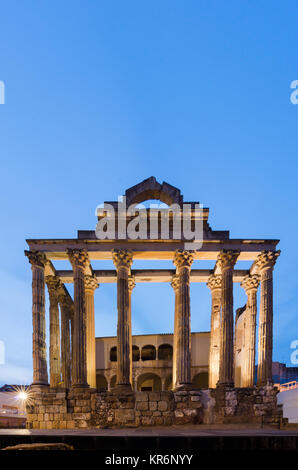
(36, 258)
(250, 282)
(214, 281)
(227, 258)
(65, 301)
(91, 283)
(175, 282)
(78, 258)
(267, 259)
(131, 283)
(53, 284)
(183, 258)
(122, 258)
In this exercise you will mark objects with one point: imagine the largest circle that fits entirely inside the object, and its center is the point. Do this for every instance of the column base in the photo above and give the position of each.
(265, 383)
(80, 386)
(122, 388)
(183, 387)
(225, 385)
(39, 387)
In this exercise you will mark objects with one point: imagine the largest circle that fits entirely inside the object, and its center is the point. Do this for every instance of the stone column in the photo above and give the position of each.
(226, 261)
(38, 261)
(123, 260)
(54, 284)
(79, 260)
(90, 285)
(265, 264)
(131, 286)
(66, 307)
(250, 284)
(215, 285)
(183, 261)
(175, 285)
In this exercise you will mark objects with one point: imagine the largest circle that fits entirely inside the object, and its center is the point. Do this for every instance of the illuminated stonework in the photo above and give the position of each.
(78, 397)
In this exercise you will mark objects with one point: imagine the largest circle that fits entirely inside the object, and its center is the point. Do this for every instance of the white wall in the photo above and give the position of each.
(289, 400)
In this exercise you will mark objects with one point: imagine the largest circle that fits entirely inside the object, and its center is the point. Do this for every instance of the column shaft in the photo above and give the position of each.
(265, 262)
(227, 261)
(40, 373)
(175, 284)
(183, 261)
(79, 260)
(55, 368)
(90, 285)
(215, 284)
(65, 342)
(250, 338)
(122, 260)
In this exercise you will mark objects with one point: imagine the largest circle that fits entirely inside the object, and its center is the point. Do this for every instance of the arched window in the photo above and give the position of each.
(148, 353)
(135, 353)
(113, 354)
(149, 383)
(165, 352)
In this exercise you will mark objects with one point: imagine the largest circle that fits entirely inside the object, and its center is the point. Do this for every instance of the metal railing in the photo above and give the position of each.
(287, 386)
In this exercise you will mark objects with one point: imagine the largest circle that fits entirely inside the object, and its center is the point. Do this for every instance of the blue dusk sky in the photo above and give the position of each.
(100, 95)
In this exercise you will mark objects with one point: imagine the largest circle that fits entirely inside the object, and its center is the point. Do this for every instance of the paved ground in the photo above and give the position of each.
(202, 430)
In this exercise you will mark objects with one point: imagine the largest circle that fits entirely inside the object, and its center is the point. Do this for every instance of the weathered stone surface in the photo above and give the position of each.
(213, 406)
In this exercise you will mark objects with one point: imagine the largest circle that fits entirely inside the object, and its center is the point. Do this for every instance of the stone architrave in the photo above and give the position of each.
(66, 307)
(38, 261)
(183, 260)
(79, 260)
(215, 285)
(90, 285)
(265, 263)
(226, 261)
(250, 284)
(123, 260)
(53, 285)
(131, 286)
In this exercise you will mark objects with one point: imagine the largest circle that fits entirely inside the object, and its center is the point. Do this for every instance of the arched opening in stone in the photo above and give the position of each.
(135, 353)
(148, 353)
(165, 352)
(113, 354)
(200, 380)
(149, 383)
(113, 381)
(101, 383)
(169, 382)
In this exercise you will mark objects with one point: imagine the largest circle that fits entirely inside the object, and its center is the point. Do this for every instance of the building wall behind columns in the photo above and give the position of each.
(240, 348)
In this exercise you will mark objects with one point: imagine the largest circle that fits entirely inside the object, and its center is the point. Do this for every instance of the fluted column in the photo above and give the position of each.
(66, 307)
(90, 285)
(123, 260)
(175, 285)
(250, 284)
(265, 264)
(215, 285)
(79, 261)
(183, 261)
(38, 261)
(131, 286)
(226, 261)
(54, 284)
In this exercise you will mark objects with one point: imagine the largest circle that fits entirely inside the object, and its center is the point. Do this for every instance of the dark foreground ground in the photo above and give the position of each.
(169, 446)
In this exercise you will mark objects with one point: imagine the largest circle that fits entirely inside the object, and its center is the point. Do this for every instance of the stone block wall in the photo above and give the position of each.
(87, 408)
